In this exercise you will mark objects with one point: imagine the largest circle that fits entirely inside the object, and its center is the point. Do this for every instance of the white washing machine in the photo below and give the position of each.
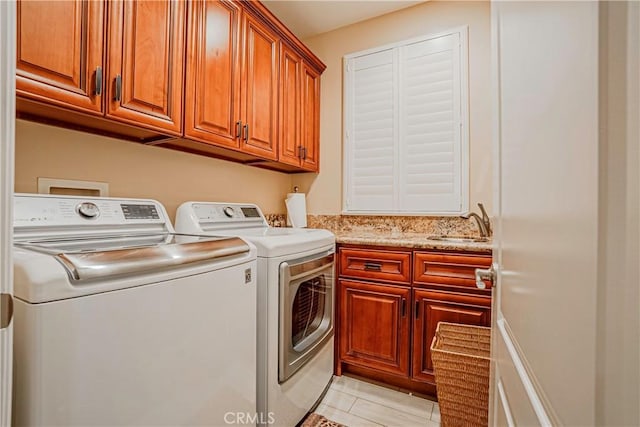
(119, 321)
(295, 304)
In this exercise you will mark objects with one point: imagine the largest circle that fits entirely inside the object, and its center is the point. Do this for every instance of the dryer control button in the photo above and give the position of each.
(88, 210)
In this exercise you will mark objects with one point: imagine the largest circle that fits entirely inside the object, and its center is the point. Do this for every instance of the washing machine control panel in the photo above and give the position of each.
(38, 210)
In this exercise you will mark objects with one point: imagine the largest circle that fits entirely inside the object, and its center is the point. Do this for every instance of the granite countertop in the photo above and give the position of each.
(406, 240)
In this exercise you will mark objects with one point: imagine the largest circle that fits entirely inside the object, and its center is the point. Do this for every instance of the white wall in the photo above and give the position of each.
(136, 170)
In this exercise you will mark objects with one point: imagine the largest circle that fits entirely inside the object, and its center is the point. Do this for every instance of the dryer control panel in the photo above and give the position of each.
(212, 216)
(219, 212)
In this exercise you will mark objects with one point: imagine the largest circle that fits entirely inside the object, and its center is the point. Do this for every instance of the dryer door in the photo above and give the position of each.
(306, 310)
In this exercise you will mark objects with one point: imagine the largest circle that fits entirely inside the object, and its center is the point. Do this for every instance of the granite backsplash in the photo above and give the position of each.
(429, 225)
(276, 220)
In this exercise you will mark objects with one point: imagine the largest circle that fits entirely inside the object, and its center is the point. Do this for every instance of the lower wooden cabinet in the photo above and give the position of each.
(386, 326)
(432, 307)
(374, 326)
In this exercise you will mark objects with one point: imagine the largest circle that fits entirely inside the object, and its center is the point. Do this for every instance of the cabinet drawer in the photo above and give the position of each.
(388, 266)
(448, 269)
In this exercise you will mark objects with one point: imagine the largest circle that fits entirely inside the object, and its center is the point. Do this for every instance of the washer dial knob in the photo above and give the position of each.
(228, 211)
(88, 210)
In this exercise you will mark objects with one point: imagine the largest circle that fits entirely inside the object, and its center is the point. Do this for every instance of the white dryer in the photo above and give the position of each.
(120, 321)
(295, 304)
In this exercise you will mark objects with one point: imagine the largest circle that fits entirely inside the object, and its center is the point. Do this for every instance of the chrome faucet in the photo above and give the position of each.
(484, 223)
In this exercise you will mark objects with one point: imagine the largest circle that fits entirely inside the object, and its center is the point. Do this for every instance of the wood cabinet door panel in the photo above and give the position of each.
(431, 307)
(60, 47)
(448, 269)
(260, 100)
(212, 91)
(310, 116)
(146, 63)
(289, 119)
(370, 264)
(374, 326)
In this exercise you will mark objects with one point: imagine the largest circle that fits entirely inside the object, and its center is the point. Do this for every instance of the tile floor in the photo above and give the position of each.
(356, 403)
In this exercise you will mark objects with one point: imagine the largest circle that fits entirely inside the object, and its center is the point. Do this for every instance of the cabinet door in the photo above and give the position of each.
(59, 50)
(289, 121)
(431, 307)
(374, 326)
(212, 91)
(146, 63)
(310, 115)
(260, 77)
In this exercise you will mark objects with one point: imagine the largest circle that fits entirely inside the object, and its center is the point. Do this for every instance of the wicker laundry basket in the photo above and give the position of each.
(460, 355)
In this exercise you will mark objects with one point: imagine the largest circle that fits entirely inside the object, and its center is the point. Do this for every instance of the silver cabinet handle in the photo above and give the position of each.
(372, 266)
(485, 274)
(238, 129)
(246, 132)
(98, 88)
(118, 94)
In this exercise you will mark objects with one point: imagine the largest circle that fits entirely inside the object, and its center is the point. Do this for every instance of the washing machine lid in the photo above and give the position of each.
(92, 258)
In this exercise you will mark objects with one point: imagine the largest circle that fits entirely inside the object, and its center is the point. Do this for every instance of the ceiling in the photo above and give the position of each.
(306, 18)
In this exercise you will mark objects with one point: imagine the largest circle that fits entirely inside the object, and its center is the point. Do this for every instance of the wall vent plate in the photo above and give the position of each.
(73, 187)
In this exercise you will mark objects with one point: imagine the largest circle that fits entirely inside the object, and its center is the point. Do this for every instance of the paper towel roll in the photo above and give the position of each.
(296, 210)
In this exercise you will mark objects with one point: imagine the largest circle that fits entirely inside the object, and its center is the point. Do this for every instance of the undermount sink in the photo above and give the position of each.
(458, 239)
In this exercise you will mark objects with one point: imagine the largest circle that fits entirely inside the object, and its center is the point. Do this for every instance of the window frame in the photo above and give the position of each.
(463, 33)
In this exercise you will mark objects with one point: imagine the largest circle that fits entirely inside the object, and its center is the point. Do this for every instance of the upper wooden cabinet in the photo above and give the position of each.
(61, 60)
(237, 67)
(60, 53)
(299, 125)
(310, 116)
(146, 63)
(203, 76)
(213, 73)
(289, 122)
(260, 89)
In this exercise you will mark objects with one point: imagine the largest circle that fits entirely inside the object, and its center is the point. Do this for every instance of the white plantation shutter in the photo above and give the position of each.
(430, 148)
(372, 127)
(406, 149)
